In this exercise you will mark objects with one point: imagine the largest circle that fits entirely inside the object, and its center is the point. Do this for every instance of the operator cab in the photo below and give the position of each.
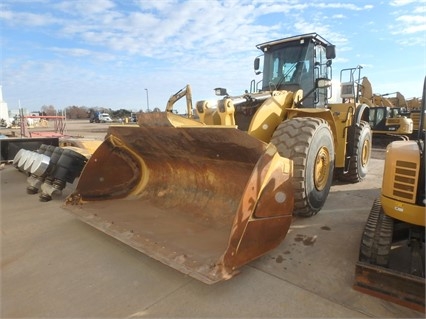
(296, 63)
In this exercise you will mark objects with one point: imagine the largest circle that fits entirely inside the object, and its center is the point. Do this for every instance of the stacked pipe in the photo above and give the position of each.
(49, 169)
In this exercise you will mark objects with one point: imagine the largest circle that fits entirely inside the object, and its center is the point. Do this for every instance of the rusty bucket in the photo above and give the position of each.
(204, 200)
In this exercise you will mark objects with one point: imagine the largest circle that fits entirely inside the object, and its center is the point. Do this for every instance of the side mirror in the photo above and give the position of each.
(257, 70)
(256, 64)
(330, 52)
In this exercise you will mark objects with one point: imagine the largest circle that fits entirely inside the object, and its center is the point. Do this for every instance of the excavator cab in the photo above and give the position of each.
(387, 115)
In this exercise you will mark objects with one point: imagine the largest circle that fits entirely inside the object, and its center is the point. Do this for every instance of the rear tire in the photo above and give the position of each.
(358, 163)
(308, 142)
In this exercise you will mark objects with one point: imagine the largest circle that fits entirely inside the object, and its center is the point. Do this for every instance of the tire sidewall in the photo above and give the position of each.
(321, 138)
(365, 134)
(300, 139)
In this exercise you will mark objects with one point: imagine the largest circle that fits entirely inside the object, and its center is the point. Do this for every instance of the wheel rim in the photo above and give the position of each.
(365, 153)
(322, 168)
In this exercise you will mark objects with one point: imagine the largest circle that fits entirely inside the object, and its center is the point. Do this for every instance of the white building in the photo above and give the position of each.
(4, 111)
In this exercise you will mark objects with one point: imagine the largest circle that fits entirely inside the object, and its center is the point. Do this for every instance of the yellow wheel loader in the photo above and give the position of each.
(391, 259)
(208, 192)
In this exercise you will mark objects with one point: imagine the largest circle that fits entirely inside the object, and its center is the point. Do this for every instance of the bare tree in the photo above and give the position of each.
(48, 110)
(77, 112)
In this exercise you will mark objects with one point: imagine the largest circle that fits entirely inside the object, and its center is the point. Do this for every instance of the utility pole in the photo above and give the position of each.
(147, 100)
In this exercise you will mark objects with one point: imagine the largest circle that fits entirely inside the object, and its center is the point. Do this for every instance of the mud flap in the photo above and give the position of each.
(204, 200)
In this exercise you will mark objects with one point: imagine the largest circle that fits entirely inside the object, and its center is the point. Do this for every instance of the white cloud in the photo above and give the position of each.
(72, 51)
(337, 5)
(399, 3)
(338, 16)
(409, 24)
(85, 8)
(26, 19)
(420, 10)
(412, 19)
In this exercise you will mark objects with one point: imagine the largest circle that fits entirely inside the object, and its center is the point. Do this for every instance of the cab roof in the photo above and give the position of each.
(314, 36)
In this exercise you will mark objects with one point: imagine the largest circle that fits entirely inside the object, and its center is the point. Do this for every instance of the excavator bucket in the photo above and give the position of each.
(204, 200)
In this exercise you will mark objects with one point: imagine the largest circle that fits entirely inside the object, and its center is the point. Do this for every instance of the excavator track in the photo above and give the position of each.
(373, 275)
(377, 237)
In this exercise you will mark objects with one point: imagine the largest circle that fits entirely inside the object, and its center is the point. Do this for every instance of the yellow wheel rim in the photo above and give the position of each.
(322, 168)
(365, 155)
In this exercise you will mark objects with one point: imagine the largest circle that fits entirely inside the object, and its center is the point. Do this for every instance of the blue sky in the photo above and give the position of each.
(105, 53)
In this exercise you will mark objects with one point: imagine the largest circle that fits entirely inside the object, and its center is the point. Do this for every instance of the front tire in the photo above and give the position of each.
(308, 142)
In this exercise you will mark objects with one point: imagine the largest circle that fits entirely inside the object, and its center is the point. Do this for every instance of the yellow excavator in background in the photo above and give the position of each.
(209, 192)
(413, 111)
(388, 116)
(414, 103)
(392, 251)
